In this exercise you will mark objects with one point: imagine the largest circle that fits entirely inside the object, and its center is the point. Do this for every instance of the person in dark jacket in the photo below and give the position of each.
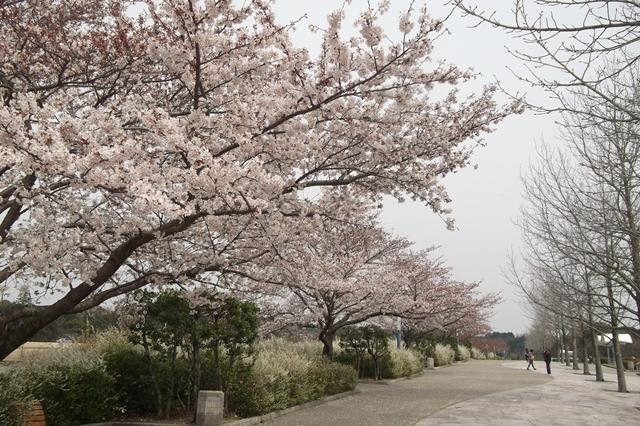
(547, 360)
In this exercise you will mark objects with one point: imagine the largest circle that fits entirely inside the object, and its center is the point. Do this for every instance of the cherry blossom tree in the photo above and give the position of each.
(344, 274)
(132, 140)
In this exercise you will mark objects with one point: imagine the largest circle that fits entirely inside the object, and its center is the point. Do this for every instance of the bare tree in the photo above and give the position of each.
(578, 260)
(581, 44)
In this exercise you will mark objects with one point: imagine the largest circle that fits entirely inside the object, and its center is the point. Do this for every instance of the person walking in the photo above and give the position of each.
(547, 360)
(530, 358)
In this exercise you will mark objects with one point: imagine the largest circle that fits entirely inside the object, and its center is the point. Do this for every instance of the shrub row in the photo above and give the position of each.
(477, 354)
(74, 387)
(286, 374)
(111, 379)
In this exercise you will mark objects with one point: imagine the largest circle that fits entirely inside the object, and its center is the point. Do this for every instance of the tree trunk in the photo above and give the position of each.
(16, 331)
(592, 334)
(195, 369)
(566, 346)
(172, 382)
(376, 368)
(216, 364)
(585, 353)
(327, 337)
(574, 344)
(596, 357)
(622, 380)
(152, 373)
(230, 379)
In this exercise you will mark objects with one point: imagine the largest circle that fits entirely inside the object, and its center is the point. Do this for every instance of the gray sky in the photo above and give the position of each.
(486, 201)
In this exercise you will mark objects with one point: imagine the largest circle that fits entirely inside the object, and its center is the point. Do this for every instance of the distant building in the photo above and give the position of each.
(628, 346)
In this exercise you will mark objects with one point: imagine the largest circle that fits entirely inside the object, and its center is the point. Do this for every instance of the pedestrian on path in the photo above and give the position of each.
(530, 359)
(547, 360)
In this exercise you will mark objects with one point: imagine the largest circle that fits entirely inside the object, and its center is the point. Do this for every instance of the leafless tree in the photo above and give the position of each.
(571, 46)
(580, 232)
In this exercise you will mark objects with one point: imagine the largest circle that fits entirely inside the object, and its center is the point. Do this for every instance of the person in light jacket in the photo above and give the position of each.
(530, 360)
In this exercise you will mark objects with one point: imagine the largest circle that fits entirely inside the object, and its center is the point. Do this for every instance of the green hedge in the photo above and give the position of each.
(73, 390)
(13, 398)
(112, 379)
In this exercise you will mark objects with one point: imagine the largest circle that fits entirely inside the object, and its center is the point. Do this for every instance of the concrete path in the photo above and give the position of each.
(407, 402)
(570, 399)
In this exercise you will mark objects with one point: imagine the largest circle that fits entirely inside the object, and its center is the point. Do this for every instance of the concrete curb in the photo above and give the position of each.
(133, 423)
(413, 376)
(242, 422)
(270, 416)
(390, 381)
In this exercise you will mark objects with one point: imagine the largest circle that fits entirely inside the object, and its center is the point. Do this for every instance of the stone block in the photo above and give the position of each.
(430, 364)
(210, 408)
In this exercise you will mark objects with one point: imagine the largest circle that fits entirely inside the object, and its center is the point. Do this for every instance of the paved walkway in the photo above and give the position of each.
(483, 393)
(570, 399)
(407, 402)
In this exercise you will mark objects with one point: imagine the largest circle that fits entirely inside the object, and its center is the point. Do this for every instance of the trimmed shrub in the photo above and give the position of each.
(443, 355)
(74, 387)
(463, 353)
(130, 369)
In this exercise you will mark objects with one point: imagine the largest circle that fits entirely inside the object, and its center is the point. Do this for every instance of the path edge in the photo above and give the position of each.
(275, 414)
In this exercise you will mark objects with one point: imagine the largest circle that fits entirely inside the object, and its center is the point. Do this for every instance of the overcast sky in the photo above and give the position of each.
(486, 201)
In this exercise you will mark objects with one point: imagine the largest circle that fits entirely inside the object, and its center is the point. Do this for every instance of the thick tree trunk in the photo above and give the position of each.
(17, 330)
(327, 337)
(14, 333)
